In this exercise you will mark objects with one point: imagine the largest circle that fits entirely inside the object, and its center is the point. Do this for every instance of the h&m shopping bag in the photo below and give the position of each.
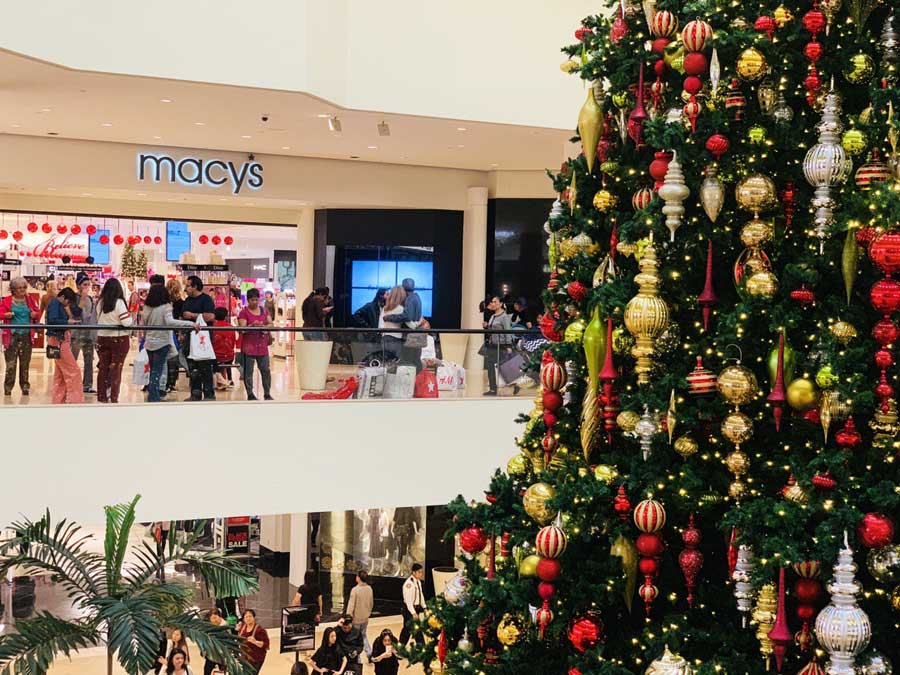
(201, 345)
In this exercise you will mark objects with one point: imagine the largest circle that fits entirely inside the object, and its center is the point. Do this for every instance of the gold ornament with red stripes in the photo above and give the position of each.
(649, 516)
(550, 541)
(808, 569)
(695, 35)
(664, 24)
(553, 375)
(549, 443)
(641, 199)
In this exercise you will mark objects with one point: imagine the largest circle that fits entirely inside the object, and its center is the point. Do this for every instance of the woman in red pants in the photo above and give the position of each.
(112, 344)
(64, 310)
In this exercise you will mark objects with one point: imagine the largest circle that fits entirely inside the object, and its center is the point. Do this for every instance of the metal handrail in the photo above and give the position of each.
(251, 329)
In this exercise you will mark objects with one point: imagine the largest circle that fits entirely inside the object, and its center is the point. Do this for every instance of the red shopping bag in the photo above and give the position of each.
(426, 384)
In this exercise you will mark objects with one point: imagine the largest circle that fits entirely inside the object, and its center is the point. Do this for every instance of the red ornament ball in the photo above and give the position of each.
(76, 229)
(695, 63)
(550, 541)
(648, 567)
(885, 332)
(148, 239)
(552, 400)
(118, 240)
(875, 530)
(583, 34)
(806, 612)
(884, 359)
(650, 545)
(574, 671)
(17, 235)
(765, 24)
(3, 234)
(62, 229)
(649, 516)
(717, 145)
(549, 419)
(32, 227)
(91, 230)
(547, 325)
(46, 228)
(546, 591)
(157, 240)
(473, 539)
(814, 21)
(229, 240)
(104, 239)
(885, 296)
(659, 166)
(807, 591)
(659, 47)
(692, 84)
(548, 570)
(576, 290)
(203, 239)
(216, 240)
(885, 252)
(586, 632)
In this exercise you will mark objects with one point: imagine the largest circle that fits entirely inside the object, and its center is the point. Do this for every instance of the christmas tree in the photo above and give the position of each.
(134, 263)
(708, 480)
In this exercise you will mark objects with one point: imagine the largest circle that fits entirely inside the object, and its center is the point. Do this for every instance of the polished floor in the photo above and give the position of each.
(284, 383)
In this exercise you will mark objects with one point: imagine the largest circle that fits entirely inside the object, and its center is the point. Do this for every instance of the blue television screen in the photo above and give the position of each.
(99, 252)
(178, 240)
(367, 276)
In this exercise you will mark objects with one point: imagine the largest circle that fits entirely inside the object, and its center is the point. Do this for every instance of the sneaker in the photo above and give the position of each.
(210, 397)
(25, 391)
(268, 397)
(192, 398)
(90, 390)
(492, 392)
(252, 397)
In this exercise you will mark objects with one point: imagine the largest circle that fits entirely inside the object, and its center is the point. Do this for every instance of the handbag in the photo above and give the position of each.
(53, 350)
(416, 340)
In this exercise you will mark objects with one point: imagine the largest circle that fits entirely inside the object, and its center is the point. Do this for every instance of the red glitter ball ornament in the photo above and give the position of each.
(884, 251)
(157, 240)
(3, 234)
(717, 145)
(546, 591)
(203, 239)
(884, 359)
(648, 566)
(695, 63)
(148, 239)
(75, 229)
(46, 228)
(813, 51)
(885, 296)
(229, 240)
(875, 530)
(17, 235)
(693, 85)
(650, 545)
(583, 34)
(118, 240)
(765, 24)
(885, 332)
(473, 539)
(814, 21)
(91, 230)
(32, 227)
(548, 569)
(659, 167)
(104, 239)
(576, 290)
(62, 229)
(216, 240)
(552, 400)
(659, 47)
(586, 632)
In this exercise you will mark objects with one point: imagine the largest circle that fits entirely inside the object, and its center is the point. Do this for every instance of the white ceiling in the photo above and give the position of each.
(38, 98)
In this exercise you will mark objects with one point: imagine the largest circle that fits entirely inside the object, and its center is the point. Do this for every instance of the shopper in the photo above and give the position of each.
(255, 345)
(199, 304)
(368, 315)
(112, 344)
(411, 317)
(496, 346)
(64, 311)
(176, 298)
(177, 664)
(413, 606)
(309, 593)
(328, 658)
(360, 606)
(175, 644)
(49, 293)
(223, 345)
(390, 321)
(84, 342)
(216, 619)
(351, 643)
(256, 640)
(157, 311)
(384, 654)
(522, 316)
(134, 300)
(18, 308)
(314, 312)
(270, 305)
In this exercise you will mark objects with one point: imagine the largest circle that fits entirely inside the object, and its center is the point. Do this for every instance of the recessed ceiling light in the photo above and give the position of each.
(246, 136)
(141, 194)
(462, 129)
(285, 147)
(87, 194)
(157, 138)
(460, 146)
(495, 164)
(165, 100)
(372, 147)
(15, 126)
(106, 124)
(52, 189)
(323, 116)
(200, 124)
(45, 109)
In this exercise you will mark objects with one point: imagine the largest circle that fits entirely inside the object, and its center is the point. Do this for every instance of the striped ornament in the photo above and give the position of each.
(808, 569)
(649, 516)
(664, 24)
(553, 376)
(811, 668)
(549, 443)
(695, 35)
(550, 541)
(873, 171)
(641, 199)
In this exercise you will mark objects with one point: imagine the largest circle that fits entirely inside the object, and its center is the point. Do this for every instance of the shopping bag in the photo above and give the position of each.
(371, 382)
(426, 384)
(446, 377)
(201, 345)
(401, 384)
(511, 369)
(429, 352)
(140, 374)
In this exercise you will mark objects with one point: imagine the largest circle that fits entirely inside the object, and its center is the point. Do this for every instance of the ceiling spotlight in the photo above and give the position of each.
(384, 129)
(334, 124)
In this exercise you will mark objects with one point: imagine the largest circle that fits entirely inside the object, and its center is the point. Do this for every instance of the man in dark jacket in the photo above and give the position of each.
(350, 643)
(368, 315)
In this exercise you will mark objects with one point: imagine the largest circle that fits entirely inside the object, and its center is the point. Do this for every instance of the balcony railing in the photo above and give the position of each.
(288, 363)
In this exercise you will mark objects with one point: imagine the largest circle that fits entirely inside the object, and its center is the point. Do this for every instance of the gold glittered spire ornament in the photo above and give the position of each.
(646, 314)
(764, 616)
(590, 124)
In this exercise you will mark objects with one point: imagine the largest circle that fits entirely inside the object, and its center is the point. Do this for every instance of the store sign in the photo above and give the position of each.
(237, 534)
(195, 172)
(53, 247)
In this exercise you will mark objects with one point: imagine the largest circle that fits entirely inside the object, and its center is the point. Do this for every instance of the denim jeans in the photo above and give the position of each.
(263, 362)
(158, 359)
(85, 348)
(362, 629)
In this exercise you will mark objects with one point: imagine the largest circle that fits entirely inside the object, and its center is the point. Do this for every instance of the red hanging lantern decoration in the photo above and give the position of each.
(104, 239)
(717, 145)
(766, 24)
(884, 252)
(659, 167)
(203, 239)
(75, 229)
(585, 632)
(691, 558)
(32, 227)
(3, 234)
(875, 530)
(46, 228)
(813, 21)
(91, 230)
(118, 240)
(157, 240)
(808, 594)
(216, 240)
(650, 518)
(848, 438)
(621, 504)
(229, 240)
(17, 235)
(639, 115)
(62, 229)
(608, 376)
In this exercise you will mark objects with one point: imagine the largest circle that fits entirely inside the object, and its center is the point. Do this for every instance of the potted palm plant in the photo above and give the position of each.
(122, 597)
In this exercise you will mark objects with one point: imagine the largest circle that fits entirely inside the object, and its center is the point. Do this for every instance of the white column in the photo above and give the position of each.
(275, 533)
(306, 248)
(473, 269)
(299, 547)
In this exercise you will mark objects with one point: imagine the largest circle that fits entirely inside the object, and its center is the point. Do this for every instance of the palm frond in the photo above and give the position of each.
(119, 521)
(60, 550)
(216, 643)
(133, 627)
(222, 575)
(40, 640)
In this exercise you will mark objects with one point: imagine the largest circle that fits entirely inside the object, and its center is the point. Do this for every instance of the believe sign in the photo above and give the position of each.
(194, 171)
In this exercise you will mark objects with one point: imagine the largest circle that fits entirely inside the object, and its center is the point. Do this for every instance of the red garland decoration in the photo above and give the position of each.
(884, 295)
(691, 558)
(813, 21)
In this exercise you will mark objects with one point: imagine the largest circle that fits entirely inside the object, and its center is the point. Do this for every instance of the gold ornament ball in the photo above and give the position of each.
(762, 285)
(738, 490)
(517, 466)
(751, 65)
(535, 502)
(796, 494)
(895, 598)
(510, 630)
(605, 473)
(434, 623)
(802, 395)
(568, 65)
(737, 462)
(825, 377)
(859, 68)
(604, 200)
(854, 141)
(686, 446)
(627, 420)
(755, 192)
(843, 331)
(884, 564)
(737, 427)
(528, 566)
(737, 384)
(756, 233)
(575, 331)
(782, 16)
(757, 135)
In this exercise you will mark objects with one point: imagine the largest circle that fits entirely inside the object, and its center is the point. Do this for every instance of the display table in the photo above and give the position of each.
(311, 361)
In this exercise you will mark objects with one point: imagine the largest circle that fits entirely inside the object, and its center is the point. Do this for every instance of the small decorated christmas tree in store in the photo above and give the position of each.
(709, 480)
(134, 262)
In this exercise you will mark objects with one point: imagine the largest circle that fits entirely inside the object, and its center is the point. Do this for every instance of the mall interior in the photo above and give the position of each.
(296, 146)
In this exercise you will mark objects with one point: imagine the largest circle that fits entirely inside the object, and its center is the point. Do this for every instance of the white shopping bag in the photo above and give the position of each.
(429, 352)
(401, 384)
(141, 373)
(201, 344)
(451, 376)
(371, 382)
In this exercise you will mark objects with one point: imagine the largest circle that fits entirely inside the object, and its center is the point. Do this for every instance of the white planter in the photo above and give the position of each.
(311, 359)
(441, 577)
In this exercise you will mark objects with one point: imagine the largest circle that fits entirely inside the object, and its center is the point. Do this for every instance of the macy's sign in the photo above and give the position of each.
(195, 171)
